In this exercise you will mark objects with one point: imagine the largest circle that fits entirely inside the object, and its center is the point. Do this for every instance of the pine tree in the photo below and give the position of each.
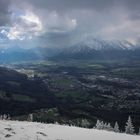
(129, 128)
(85, 123)
(1, 117)
(109, 127)
(139, 132)
(99, 125)
(4, 117)
(102, 125)
(30, 117)
(8, 117)
(105, 126)
(116, 127)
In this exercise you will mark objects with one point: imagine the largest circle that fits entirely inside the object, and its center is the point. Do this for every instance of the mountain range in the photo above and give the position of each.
(90, 48)
(98, 49)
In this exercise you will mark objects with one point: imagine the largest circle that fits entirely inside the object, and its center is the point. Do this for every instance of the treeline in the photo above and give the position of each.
(100, 125)
(5, 117)
(129, 127)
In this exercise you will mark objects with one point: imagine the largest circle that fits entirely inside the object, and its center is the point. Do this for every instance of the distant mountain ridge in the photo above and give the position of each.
(99, 44)
(90, 48)
(20, 54)
(93, 48)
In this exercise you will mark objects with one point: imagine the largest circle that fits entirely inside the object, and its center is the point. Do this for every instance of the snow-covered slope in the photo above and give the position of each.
(99, 44)
(15, 130)
(98, 49)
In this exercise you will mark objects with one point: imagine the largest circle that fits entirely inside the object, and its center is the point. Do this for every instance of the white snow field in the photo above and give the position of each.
(16, 130)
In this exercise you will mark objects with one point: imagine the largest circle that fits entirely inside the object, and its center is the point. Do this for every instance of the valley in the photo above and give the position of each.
(69, 91)
(69, 68)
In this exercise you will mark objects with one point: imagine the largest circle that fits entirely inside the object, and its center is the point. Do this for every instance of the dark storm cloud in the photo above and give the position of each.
(4, 12)
(85, 4)
(73, 4)
(60, 22)
(132, 4)
(132, 7)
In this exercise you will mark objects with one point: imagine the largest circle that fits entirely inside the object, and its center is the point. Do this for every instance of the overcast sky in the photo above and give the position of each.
(56, 23)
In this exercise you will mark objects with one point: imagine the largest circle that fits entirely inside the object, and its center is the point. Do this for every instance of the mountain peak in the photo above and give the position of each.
(100, 44)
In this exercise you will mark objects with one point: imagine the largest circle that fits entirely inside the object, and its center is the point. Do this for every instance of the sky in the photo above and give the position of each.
(62, 23)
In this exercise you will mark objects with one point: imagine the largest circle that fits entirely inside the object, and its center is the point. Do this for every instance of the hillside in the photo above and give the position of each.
(67, 93)
(15, 130)
(19, 94)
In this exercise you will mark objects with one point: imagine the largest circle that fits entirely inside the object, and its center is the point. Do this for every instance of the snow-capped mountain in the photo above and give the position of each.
(90, 48)
(101, 49)
(15, 130)
(99, 44)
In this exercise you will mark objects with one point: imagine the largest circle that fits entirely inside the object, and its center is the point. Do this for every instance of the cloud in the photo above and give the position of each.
(65, 22)
(56, 23)
(98, 5)
(24, 27)
(61, 5)
(4, 12)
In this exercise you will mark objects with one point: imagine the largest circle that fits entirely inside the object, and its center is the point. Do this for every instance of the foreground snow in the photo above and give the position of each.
(15, 130)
